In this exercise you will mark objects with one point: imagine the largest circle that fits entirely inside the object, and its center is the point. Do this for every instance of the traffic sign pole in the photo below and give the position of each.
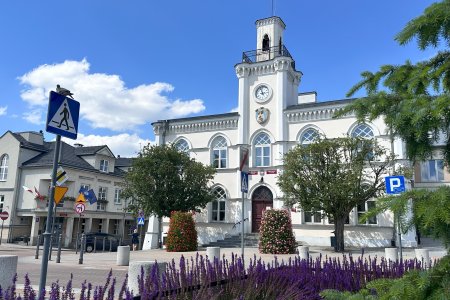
(48, 227)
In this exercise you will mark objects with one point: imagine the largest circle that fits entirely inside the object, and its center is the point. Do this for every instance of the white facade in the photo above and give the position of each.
(272, 118)
(29, 164)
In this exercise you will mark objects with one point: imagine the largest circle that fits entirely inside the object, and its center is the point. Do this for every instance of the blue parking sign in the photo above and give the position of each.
(395, 184)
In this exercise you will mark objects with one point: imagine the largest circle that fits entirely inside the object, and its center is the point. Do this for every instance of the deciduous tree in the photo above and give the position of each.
(333, 176)
(163, 179)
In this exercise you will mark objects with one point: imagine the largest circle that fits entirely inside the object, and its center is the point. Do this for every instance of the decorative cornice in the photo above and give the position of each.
(313, 114)
(269, 21)
(272, 66)
(198, 126)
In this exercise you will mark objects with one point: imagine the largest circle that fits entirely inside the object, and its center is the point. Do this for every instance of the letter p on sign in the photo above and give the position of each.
(395, 184)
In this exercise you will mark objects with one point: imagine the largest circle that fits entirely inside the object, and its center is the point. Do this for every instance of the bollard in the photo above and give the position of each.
(104, 240)
(58, 255)
(212, 253)
(110, 245)
(76, 243)
(303, 252)
(134, 270)
(83, 244)
(36, 255)
(8, 265)
(391, 254)
(95, 244)
(123, 256)
(424, 256)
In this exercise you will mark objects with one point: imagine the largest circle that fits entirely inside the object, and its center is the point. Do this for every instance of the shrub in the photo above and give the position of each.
(182, 235)
(276, 236)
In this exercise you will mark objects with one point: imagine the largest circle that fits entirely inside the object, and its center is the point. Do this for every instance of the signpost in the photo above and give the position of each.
(62, 120)
(396, 185)
(4, 215)
(243, 167)
(140, 221)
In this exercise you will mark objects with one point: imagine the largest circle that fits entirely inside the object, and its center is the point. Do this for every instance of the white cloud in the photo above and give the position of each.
(125, 145)
(34, 117)
(236, 109)
(3, 110)
(105, 100)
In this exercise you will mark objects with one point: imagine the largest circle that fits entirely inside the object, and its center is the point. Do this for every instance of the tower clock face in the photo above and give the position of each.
(262, 93)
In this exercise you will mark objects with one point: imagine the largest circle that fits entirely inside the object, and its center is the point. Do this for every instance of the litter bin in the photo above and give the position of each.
(333, 241)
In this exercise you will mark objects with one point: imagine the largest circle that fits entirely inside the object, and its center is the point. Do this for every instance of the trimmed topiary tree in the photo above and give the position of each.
(276, 236)
(182, 235)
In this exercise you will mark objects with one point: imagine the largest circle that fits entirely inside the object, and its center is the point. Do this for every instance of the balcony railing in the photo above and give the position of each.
(266, 54)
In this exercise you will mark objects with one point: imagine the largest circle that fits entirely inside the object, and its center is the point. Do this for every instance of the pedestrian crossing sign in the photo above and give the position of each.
(62, 115)
(140, 221)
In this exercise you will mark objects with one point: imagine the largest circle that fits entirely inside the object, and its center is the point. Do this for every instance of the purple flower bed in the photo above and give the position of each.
(200, 278)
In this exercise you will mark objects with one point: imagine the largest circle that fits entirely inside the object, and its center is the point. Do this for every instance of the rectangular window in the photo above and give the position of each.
(347, 220)
(85, 186)
(363, 208)
(219, 158)
(218, 211)
(116, 227)
(432, 170)
(2, 202)
(100, 225)
(117, 199)
(262, 156)
(104, 165)
(102, 192)
(313, 217)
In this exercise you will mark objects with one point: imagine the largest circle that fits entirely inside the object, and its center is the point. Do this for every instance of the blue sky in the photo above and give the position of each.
(130, 63)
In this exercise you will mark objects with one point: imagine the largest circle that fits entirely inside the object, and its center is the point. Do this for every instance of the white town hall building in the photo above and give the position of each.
(271, 119)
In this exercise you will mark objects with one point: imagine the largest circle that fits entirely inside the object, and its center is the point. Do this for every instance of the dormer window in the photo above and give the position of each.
(266, 43)
(104, 166)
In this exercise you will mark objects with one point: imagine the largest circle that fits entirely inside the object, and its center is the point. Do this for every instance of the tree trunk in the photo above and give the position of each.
(339, 234)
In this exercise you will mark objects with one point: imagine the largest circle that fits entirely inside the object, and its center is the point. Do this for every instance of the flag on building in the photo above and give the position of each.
(27, 189)
(38, 195)
(91, 196)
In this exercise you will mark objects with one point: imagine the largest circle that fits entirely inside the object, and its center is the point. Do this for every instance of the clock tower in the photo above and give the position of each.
(268, 83)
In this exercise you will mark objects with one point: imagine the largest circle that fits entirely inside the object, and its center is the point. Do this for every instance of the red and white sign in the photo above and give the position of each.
(4, 215)
(80, 207)
(271, 172)
(252, 172)
(243, 159)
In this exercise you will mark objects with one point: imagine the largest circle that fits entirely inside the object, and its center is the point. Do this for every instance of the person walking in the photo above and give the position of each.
(135, 239)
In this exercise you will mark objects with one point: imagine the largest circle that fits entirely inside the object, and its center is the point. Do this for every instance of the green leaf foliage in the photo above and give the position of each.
(276, 236)
(432, 284)
(163, 180)
(413, 98)
(333, 176)
(182, 235)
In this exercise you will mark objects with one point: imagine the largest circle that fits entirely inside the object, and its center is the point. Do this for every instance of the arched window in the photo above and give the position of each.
(363, 131)
(182, 146)
(262, 150)
(265, 43)
(218, 205)
(4, 167)
(219, 152)
(309, 136)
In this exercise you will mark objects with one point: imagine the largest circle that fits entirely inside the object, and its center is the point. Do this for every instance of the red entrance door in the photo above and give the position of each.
(261, 198)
